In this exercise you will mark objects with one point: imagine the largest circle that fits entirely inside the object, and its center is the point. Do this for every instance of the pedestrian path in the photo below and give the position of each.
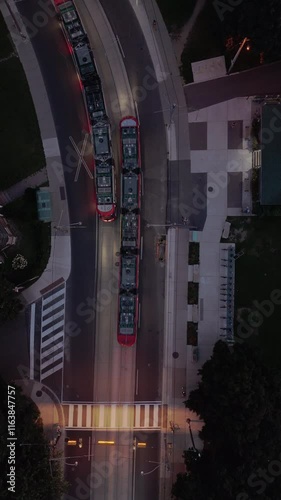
(115, 416)
(52, 331)
(47, 319)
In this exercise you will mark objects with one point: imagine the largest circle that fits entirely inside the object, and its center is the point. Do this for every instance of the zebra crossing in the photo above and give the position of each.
(52, 331)
(115, 416)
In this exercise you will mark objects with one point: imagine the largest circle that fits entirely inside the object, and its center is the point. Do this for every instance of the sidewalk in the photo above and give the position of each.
(60, 258)
(178, 370)
(167, 73)
(50, 410)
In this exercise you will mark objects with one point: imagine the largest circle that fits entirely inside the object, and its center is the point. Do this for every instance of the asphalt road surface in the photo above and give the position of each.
(70, 120)
(112, 470)
(154, 162)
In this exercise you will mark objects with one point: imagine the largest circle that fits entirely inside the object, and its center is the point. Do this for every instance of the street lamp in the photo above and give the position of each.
(19, 287)
(74, 464)
(151, 471)
(245, 40)
(172, 110)
(185, 222)
(73, 225)
(155, 468)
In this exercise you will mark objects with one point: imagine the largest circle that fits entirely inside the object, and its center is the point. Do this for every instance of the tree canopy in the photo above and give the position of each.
(10, 304)
(33, 477)
(239, 400)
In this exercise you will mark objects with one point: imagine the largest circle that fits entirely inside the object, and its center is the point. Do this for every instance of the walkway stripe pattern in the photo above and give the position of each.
(52, 331)
(115, 416)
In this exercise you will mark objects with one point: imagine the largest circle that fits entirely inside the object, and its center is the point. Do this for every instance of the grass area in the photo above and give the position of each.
(205, 41)
(258, 273)
(35, 243)
(20, 141)
(193, 293)
(193, 254)
(176, 13)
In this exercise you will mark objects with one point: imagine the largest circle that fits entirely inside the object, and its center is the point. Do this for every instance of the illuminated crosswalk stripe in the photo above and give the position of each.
(59, 293)
(115, 416)
(52, 332)
(54, 307)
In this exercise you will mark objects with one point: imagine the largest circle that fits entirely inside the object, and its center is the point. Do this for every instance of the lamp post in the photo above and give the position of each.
(74, 464)
(237, 53)
(151, 471)
(73, 225)
(172, 110)
(185, 222)
(167, 467)
(19, 287)
(135, 444)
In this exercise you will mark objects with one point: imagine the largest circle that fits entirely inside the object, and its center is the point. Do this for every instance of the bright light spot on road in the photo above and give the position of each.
(106, 442)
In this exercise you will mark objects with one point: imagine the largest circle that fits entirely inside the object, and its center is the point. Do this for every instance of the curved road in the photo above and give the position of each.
(70, 120)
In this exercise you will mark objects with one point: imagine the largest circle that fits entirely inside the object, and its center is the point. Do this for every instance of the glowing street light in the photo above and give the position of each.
(245, 40)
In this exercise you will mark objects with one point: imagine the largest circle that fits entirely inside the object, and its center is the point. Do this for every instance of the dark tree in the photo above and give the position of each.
(35, 480)
(239, 400)
(10, 304)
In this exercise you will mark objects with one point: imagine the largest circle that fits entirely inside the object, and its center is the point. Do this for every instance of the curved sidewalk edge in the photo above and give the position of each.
(167, 74)
(49, 406)
(59, 264)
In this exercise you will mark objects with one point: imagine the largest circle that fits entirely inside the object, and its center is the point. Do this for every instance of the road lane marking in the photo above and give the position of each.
(139, 315)
(89, 449)
(31, 340)
(120, 46)
(141, 248)
(137, 383)
(114, 416)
